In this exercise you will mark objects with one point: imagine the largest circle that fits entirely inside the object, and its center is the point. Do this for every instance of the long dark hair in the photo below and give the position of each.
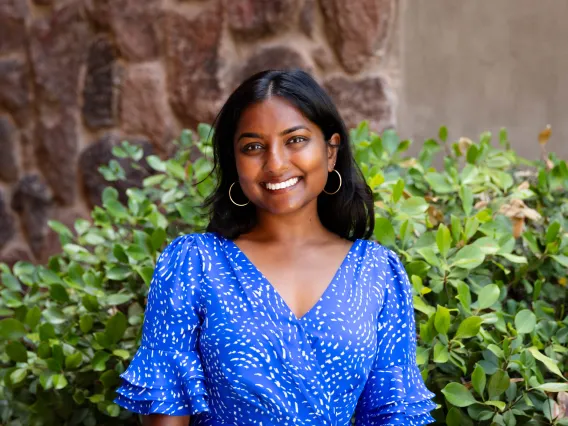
(349, 213)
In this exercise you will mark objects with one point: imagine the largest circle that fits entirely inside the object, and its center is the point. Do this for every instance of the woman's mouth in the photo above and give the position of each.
(280, 186)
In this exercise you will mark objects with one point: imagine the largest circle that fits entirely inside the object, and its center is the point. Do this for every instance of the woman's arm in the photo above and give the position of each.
(161, 420)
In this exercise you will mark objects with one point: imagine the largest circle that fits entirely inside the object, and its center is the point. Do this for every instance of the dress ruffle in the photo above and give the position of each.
(395, 396)
(163, 382)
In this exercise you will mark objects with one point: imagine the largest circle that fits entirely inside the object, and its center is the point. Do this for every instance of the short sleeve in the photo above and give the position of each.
(395, 393)
(166, 374)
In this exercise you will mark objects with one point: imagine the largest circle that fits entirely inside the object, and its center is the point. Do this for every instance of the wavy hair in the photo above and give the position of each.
(348, 213)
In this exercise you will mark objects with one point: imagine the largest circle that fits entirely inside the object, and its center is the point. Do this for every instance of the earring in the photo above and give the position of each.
(233, 201)
(338, 188)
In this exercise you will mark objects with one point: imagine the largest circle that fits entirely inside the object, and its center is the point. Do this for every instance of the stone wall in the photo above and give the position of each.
(77, 76)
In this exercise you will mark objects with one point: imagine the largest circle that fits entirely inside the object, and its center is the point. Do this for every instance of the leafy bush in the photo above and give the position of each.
(484, 240)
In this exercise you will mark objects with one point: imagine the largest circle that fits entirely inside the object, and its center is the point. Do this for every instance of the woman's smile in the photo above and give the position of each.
(281, 186)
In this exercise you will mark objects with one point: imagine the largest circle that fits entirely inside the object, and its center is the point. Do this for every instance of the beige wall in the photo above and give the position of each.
(480, 65)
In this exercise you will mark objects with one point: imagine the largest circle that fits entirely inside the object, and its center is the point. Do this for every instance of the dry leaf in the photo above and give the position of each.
(435, 215)
(517, 209)
(481, 204)
(524, 185)
(544, 136)
(464, 144)
(562, 399)
(518, 226)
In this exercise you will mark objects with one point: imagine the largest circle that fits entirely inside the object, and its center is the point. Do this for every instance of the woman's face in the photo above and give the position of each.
(282, 158)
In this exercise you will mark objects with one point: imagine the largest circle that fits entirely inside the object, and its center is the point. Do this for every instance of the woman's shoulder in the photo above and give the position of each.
(379, 254)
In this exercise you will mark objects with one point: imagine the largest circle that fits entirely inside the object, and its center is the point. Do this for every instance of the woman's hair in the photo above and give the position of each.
(349, 213)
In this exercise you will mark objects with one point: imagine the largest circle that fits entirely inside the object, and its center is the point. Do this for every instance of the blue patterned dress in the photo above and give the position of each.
(220, 344)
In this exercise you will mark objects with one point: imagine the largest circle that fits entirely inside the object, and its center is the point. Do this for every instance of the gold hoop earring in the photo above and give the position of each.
(233, 201)
(338, 188)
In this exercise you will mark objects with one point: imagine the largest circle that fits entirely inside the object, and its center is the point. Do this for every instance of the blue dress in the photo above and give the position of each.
(220, 344)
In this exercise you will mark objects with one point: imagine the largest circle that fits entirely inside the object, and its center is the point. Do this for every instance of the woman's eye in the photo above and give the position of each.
(297, 139)
(252, 147)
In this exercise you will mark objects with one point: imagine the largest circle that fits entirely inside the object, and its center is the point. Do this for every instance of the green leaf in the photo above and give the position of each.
(464, 295)
(442, 320)
(478, 379)
(118, 298)
(158, 238)
(467, 199)
(469, 257)
(441, 354)
(113, 410)
(498, 384)
(58, 293)
(443, 133)
(99, 361)
(86, 323)
(514, 258)
(487, 245)
(18, 375)
(443, 240)
(11, 329)
(469, 327)
(458, 395)
(146, 273)
(499, 404)
(121, 353)
(118, 273)
(414, 206)
(59, 381)
(553, 387)
(548, 362)
(390, 141)
(155, 163)
(384, 232)
(10, 282)
(46, 332)
(115, 327)
(525, 321)
(55, 316)
(439, 183)
(33, 317)
(429, 255)
(488, 296)
(563, 260)
(397, 190)
(17, 352)
(74, 360)
(109, 379)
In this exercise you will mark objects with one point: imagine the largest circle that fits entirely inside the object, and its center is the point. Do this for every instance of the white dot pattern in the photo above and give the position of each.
(220, 344)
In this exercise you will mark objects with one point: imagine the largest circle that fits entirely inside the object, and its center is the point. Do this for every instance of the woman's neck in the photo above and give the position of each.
(298, 227)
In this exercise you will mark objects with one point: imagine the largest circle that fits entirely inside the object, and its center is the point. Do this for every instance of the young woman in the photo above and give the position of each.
(283, 313)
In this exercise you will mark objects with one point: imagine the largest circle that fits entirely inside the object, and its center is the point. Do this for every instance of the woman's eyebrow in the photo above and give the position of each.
(293, 129)
(250, 135)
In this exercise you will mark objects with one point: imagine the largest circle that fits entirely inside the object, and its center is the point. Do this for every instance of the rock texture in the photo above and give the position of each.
(257, 18)
(144, 109)
(362, 98)
(193, 61)
(32, 201)
(357, 28)
(78, 76)
(100, 92)
(99, 154)
(7, 223)
(8, 161)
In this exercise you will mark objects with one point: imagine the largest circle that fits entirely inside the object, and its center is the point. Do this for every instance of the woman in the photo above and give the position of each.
(283, 313)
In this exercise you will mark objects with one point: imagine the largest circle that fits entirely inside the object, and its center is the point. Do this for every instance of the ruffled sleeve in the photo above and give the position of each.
(395, 393)
(166, 375)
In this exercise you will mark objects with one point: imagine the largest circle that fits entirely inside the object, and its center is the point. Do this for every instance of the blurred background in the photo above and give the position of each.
(78, 76)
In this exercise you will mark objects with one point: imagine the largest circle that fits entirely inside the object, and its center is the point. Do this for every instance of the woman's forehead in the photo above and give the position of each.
(273, 115)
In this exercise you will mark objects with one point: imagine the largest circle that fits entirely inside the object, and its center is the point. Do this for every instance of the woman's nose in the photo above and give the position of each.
(276, 160)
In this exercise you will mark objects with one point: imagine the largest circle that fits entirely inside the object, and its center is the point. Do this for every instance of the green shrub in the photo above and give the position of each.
(484, 240)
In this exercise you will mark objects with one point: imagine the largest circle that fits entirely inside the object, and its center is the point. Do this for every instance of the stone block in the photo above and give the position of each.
(100, 92)
(357, 29)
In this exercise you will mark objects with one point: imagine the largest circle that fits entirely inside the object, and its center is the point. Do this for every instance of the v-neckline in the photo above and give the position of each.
(275, 291)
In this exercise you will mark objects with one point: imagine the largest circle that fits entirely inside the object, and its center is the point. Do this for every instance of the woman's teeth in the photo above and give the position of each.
(282, 185)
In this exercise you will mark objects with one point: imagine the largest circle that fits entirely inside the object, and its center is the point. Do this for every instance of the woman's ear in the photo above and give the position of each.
(332, 148)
